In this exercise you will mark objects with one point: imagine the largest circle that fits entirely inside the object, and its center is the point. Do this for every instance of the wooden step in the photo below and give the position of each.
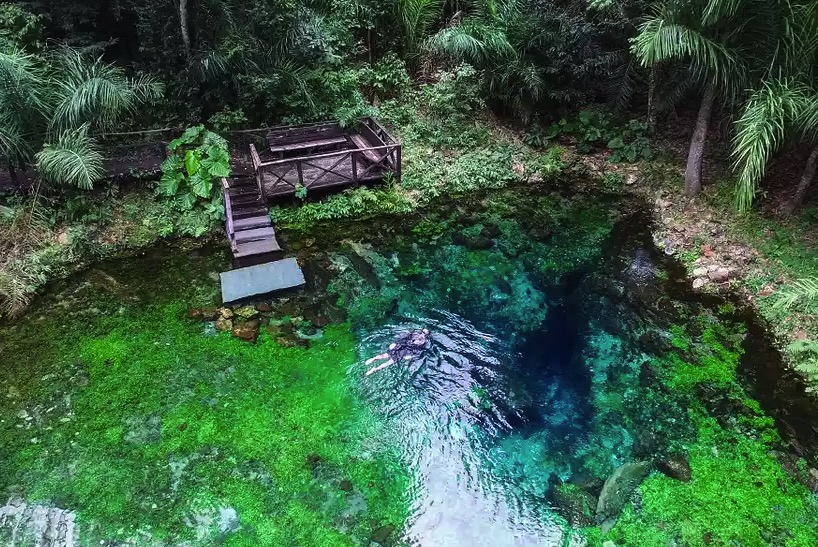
(255, 234)
(244, 200)
(245, 182)
(251, 248)
(240, 213)
(252, 222)
(243, 191)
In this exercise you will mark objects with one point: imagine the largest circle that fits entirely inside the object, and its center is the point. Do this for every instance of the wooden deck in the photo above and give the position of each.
(339, 157)
(294, 160)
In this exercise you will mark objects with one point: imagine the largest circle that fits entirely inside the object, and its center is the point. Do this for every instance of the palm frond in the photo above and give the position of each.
(417, 17)
(74, 160)
(771, 111)
(473, 42)
(661, 40)
(93, 92)
(801, 293)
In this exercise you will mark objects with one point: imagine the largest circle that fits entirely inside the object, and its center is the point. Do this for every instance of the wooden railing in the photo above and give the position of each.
(228, 215)
(345, 166)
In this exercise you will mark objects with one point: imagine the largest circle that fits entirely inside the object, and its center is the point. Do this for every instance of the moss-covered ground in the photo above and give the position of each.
(156, 429)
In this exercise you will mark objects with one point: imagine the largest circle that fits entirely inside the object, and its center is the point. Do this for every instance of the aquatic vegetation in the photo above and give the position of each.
(168, 425)
(738, 494)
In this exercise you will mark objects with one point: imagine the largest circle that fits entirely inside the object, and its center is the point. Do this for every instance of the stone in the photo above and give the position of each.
(226, 313)
(292, 342)
(313, 461)
(654, 343)
(700, 271)
(490, 231)
(619, 487)
(224, 325)
(246, 331)
(719, 275)
(381, 534)
(649, 376)
(479, 243)
(264, 307)
(195, 314)
(575, 505)
(209, 313)
(321, 321)
(245, 312)
(699, 282)
(345, 485)
(631, 179)
(676, 467)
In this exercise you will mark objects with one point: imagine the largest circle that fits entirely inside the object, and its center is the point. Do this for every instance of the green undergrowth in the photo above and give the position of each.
(709, 354)
(162, 425)
(738, 495)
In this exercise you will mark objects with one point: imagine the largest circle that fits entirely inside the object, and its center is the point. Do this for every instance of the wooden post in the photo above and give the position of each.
(398, 167)
(354, 166)
(300, 173)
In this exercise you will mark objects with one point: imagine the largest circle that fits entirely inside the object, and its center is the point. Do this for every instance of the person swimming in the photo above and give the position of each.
(409, 346)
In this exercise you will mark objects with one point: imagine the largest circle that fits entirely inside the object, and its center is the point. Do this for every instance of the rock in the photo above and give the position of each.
(812, 480)
(226, 313)
(676, 467)
(313, 461)
(245, 312)
(700, 271)
(273, 330)
(247, 331)
(321, 321)
(619, 487)
(381, 534)
(490, 231)
(264, 307)
(654, 343)
(631, 179)
(699, 282)
(210, 313)
(719, 275)
(195, 314)
(345, 485)
(224, 325)
(575, 505)
(479, 243)
(292, 342)
(649, 376)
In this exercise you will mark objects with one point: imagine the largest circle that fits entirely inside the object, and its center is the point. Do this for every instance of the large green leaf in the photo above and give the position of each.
(217, 162)
(170, 182)
(201, 185)
(193, 162)
(190, 136)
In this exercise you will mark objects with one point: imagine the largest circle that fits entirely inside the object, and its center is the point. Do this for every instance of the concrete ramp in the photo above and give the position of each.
(261, 279)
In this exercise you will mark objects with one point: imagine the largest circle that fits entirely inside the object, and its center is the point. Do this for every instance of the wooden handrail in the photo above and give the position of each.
(327, 155)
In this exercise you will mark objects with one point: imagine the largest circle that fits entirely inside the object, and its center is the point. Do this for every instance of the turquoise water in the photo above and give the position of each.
(562, 346)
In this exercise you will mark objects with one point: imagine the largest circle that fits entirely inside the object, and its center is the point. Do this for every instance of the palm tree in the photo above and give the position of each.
(722, 42)
(53, 103)
(781, 109)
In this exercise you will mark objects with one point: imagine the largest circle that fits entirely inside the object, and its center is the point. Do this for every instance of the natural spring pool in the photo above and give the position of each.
(573, 391)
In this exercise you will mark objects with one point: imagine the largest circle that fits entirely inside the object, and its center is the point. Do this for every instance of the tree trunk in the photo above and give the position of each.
(651, 100)
(806, 180)
(183, 23)
(693, 173)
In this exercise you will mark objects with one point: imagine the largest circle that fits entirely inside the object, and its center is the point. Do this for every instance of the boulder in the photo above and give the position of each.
(719, 275)
(381, 534)
(264, 307)
(245, 312)
(490, 231)
(618, 488)
(246, 331)
(654, 343)
(676, 467)
(575, 505)
(224, 325)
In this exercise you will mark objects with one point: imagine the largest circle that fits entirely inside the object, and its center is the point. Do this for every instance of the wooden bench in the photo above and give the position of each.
(362, 144)
(307, 145)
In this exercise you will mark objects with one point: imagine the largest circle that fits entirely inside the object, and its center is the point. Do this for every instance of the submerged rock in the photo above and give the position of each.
(575, 505)
(247, 331)
(619, 487)
(654, 342)
(478, 243)
(224, 325)
(676, 467)
(25, 524)
(246, 312)
(263, 307)
(381, 534)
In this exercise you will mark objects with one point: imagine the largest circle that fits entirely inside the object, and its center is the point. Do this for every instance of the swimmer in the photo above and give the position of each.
(409, 346)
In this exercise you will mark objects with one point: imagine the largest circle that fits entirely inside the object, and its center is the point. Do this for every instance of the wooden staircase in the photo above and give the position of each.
(247, 224)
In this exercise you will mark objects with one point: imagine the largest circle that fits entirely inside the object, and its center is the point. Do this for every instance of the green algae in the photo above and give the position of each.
(738, 495)
(168, 425)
